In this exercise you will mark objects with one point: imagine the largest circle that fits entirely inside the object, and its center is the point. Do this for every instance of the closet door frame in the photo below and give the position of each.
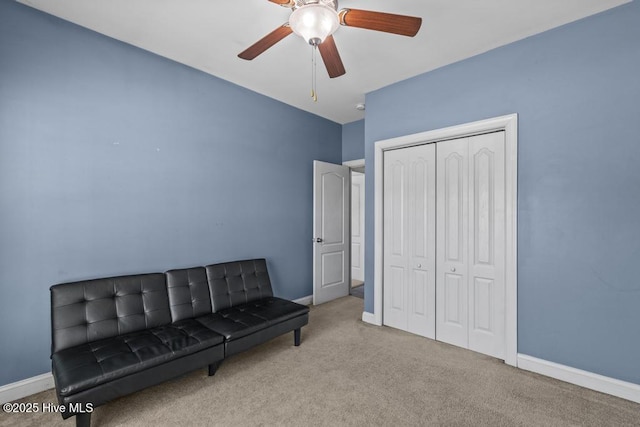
(508, 124)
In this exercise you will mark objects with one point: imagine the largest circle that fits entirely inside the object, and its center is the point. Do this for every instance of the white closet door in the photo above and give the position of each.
(409, 239)
(447, 283)
(421, 198)
(395, 246)
(452, 242)
(487, 244)
(470, 288)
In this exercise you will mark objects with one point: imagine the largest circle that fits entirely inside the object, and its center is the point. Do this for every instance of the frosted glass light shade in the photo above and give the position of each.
(314, 22)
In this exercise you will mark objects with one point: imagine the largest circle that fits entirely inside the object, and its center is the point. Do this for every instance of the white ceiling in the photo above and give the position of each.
(208, 35)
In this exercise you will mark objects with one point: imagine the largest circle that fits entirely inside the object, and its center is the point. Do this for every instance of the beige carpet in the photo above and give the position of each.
(350, 373)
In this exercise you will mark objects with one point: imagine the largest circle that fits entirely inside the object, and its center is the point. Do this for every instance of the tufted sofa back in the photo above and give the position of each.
(91, 310)
(188, 293)
(234, 283)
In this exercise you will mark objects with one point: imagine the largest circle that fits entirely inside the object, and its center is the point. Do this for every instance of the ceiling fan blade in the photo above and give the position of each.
(266, 42)
(285, 3)
(379, 21)
(331, 58)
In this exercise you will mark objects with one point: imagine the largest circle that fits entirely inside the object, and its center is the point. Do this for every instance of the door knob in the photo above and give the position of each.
(419, 265)
(453, 269)
(317, 240)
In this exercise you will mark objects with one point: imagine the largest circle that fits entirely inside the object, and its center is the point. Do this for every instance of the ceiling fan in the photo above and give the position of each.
(316, 21)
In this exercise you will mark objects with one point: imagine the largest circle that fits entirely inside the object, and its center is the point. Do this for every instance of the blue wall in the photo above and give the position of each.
(577, 92)
(353, 141)
(116, 161)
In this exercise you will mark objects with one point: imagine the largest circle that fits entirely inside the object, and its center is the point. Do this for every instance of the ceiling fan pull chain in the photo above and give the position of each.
(314, 93)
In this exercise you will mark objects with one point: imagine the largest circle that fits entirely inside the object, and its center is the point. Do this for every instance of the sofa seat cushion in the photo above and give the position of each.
(241, 320)
(88, 365)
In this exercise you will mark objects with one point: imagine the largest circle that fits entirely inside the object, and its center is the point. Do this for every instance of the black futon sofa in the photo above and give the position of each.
(118, 335)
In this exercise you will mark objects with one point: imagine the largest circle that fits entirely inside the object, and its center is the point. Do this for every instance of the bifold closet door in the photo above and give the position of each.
(409, 239)
(470, 267)
(452, 242)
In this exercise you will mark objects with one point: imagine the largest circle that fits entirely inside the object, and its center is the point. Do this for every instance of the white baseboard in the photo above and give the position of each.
(24, 388)
(582, 378)
(304, 300)
(369, 318)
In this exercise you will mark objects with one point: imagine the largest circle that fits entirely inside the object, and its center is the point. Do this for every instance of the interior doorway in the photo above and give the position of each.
(338, 227)
(357, 263)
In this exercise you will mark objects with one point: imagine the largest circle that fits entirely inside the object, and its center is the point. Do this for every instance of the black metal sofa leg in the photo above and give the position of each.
(214, 367)
(83, 420)
(296, 337)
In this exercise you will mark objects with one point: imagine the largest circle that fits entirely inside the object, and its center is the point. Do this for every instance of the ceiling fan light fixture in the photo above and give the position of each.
(314, 22)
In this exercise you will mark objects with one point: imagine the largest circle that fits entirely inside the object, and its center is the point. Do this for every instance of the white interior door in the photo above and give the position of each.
(487, 244)
(357, 226)
(331, 248)
(409, 236)
(452, 242)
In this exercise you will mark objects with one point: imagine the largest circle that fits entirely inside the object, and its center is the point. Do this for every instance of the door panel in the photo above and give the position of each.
(409, 255)
(487, 230)
(332, 269)
(454, 192)
(397, 208)
(333, 208)
(483, 206)
(421, 239)
(331, 247)
(420, 281)
(453, 306)
(421, 247)
(452, 236)
(483, 290)
(397, 292)
(395, 263)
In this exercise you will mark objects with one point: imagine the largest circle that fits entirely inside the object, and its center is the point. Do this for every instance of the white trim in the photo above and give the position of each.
(369, 318)
(354, 163)
(24, 388)
(304, 300)
(507, 123)
(511, 239)
(623, 389)
(378, 188)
